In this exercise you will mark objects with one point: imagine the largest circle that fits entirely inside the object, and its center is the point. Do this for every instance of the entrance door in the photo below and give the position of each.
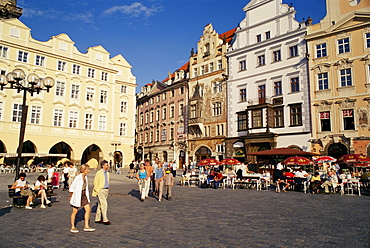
(202, 153)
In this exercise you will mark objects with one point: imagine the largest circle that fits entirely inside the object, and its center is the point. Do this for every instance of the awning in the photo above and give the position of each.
(14, 155)
(282, 151)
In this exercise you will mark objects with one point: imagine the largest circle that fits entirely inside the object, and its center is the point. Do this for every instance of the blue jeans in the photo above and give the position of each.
(216, 184)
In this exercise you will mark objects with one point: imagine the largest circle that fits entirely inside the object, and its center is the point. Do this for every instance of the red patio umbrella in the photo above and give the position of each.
(208, 161)
(325, 159)
(353, 158)
(356, 159)
(297, 161)
(230, 161)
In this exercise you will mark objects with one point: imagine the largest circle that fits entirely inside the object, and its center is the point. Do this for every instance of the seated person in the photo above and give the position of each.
(315, 183)
(331, 180)
(40, 189)
(282, 180)
(289, 174)
(22, 189)
(210, 177)
(217, 179)
(300, 173)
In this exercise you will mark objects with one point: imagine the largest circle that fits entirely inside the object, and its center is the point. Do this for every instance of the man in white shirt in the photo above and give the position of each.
(174, 168)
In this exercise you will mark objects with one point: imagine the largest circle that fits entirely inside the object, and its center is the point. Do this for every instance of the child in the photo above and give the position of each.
(168, 183)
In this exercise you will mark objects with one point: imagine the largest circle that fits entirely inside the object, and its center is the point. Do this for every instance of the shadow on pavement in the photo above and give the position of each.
(5, 210)
(135, 193)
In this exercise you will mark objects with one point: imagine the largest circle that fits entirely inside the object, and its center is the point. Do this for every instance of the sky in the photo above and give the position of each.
(154, 36)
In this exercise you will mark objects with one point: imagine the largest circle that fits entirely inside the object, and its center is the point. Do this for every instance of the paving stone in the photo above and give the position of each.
(194, 218)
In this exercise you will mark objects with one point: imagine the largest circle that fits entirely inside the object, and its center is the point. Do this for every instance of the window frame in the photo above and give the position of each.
(294, 85)
(345, 78)
(323, 82)
(242, 121)
(343, 45)
(293, 51)
(278, 117)
(321, 50)
(257, 118)
(35, 115)
(295, 116)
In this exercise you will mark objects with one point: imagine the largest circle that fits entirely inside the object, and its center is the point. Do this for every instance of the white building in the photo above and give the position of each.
(268, 94)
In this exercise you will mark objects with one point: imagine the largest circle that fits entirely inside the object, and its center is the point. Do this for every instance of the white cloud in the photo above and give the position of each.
(84, 18)
(136, 9)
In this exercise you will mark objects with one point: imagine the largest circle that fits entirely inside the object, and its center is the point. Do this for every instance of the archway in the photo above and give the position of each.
(337, 149)
(60, 148)
(202, 153)
(2, 150)
(181, 159)
(165, 156)
(28, 147)
(91, 156)
(117, 159)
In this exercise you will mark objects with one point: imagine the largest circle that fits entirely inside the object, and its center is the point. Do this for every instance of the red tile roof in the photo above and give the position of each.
(228, 34)
(185, 67)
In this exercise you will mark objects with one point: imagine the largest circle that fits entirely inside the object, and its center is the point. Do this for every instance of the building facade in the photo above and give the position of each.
(207, 95)
(339, 48)
(268, 89)
(161, 130)
(91, 104)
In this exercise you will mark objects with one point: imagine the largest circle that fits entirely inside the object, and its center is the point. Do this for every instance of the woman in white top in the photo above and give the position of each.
(21, 188)
(79, 197)
(41, 187)
(50, 171)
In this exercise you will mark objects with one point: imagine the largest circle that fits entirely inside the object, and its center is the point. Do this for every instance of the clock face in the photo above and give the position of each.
(354, 2)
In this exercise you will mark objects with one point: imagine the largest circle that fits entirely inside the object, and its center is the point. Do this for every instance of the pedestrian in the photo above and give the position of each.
(142, 177)
(72, 173)
(184, 169)
(159, 180)
(101, 187)
(168, 183)
(50, 172)
(118, 168)
(65, 176)
(174, 168)
(79, 197)
(132, 166)
(149, 170)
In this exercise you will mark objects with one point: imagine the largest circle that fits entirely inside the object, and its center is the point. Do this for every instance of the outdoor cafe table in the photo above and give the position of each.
(249, 180)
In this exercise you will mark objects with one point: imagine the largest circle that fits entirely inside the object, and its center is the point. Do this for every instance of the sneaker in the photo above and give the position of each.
(73, 230)
(42, 206)
(27, 207)
(89, 229)
(48, 202)
(31, 204)
(159, 200)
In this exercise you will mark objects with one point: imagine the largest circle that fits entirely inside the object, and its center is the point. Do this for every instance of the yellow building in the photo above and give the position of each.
(90, 112)
(338, 50)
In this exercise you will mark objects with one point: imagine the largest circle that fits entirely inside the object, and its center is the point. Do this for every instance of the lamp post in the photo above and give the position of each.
(115, 144)
(17, 80)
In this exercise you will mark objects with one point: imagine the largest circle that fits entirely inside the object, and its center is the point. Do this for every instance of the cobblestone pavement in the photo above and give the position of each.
(194, 218)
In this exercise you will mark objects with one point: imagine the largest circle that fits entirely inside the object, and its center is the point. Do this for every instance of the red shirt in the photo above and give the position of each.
(219, 176)
(289, 174)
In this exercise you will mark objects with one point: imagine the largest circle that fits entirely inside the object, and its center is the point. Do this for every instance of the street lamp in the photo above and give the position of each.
(17, 80)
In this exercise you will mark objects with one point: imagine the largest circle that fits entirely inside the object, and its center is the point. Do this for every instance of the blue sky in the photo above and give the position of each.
(155, 36)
